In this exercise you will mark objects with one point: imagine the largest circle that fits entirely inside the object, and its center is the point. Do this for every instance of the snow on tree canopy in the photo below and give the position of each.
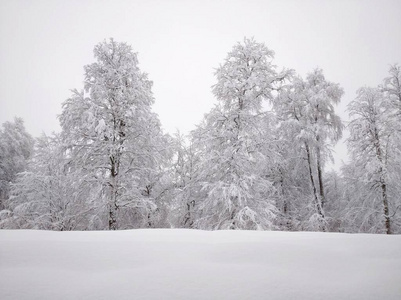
(111, 130)
(233, 143)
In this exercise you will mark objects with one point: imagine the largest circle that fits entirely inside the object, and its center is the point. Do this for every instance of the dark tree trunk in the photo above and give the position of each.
(320, 176)
(113, 196)
(385, 208)
(317, 202)
(188, 219)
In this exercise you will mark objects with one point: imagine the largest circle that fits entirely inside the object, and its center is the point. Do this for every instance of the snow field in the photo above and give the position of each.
(190, 264)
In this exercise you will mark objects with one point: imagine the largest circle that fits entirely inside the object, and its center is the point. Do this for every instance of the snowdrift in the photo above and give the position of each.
(190, 264)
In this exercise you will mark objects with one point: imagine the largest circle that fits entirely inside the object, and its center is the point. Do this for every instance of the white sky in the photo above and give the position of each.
(45, 44)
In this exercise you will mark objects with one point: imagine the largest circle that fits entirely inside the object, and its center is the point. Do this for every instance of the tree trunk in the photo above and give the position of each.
(113, 197)
(317, 202)
(383, 184)
(113, 213)
(188, 219)
(320, 175)
(385, 208)
(112, 216)
(287, 217)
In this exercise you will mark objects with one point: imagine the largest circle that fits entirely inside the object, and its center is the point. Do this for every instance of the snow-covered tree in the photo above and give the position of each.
(335, 189)
(290, 177)
(48, 195)
(374, 150)
(16, 147)
(392, 89)
(306, 111)
(187, 193)
(233, 143)
(113, 134)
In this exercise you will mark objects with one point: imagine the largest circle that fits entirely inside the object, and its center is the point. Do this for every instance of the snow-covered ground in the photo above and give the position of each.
(189, 264)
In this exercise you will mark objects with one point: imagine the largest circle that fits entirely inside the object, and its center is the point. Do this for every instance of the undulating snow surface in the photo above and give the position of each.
(189, 264)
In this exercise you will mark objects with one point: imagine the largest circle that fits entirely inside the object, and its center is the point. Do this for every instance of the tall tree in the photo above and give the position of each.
(233, 143)
(112, 132)
(306, 108)
(392, 92)
(374, 149)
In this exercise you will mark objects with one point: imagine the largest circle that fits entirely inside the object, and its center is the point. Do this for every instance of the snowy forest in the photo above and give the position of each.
(256, 161)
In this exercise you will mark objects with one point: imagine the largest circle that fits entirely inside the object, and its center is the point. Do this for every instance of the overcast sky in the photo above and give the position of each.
(45, 44)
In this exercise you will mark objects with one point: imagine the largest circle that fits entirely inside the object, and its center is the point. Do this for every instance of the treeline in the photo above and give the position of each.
(256, 161)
